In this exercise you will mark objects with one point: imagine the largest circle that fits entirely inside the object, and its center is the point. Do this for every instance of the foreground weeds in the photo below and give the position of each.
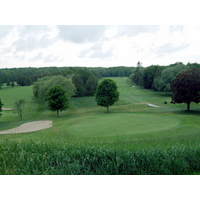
(34, 158)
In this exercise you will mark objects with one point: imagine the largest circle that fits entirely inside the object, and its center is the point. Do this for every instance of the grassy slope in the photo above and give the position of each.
(130, 125)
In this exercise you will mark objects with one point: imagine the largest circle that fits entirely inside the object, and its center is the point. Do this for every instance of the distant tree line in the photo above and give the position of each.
(27, 76)
(159, 78)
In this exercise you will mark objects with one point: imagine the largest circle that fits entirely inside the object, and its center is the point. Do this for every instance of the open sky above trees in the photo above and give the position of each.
(37, 46)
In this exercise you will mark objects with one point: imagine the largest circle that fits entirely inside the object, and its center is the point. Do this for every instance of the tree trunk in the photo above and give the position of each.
(57, 113)
(20, 115)
(188, 106)
(107, 109)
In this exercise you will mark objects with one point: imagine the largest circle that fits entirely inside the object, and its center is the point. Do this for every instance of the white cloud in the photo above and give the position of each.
(22, 46)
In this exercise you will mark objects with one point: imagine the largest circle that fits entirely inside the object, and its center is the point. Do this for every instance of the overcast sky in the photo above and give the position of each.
(35, 46)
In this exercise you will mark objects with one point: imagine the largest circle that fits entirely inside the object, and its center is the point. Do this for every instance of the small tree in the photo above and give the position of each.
(19, 105)
(107, 93)
(186, 87)
(57, 99)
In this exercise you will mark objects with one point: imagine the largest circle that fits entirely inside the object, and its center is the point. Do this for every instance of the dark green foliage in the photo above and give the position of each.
(85, 83)
(186, 87)
(159, 78)
(167, 75)
(19, 106)
(149, 75)
(112, 71)
(34, 158)
(57, 99)
(107, 93)
(28, 75)
(138, 76)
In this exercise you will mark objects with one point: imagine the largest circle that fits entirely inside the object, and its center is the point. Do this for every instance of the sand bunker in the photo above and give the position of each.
(153, 105)
(7, 108)
(29, 127)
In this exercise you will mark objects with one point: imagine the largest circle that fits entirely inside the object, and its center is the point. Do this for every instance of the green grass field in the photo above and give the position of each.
(131, 125)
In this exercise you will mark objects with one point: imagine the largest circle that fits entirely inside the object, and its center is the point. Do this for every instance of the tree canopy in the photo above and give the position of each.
(42, 87)
(85, 83)
(107, 93)
(28, 75)
(158, 77)
(57, 99)
(186, 87)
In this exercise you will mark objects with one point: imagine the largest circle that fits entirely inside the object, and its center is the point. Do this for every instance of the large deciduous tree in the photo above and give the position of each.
(57, 99)
(107, 93)
(186, 87)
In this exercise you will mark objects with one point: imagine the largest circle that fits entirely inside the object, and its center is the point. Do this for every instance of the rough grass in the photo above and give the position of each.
(46, 159)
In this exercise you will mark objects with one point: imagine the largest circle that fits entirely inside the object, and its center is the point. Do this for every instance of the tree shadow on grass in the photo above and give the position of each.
(185, 112)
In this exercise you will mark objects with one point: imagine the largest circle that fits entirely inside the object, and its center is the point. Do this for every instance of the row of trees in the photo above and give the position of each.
(56, 91)
(183, 81)
(27, 76)
(83, 83)
(159, 78)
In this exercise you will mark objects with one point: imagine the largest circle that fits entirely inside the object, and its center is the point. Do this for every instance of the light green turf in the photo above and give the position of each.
(120, 124)
(130, 125)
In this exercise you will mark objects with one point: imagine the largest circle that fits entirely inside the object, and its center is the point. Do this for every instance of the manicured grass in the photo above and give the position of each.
(9, 95)
(131, 126)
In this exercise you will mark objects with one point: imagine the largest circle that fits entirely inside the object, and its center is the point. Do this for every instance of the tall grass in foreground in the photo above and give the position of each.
(33, 158)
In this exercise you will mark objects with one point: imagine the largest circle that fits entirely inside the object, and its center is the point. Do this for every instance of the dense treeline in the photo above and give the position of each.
(159, 78)
(27, 76)
(85, 83)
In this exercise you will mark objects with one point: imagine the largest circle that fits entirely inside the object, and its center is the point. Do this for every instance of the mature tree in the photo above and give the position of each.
(186, 87)
(85, 83)
(107, 93)
(57, 99)
(42, 87)
(19, 106)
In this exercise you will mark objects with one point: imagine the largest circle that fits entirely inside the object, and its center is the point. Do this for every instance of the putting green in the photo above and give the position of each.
(116, 124)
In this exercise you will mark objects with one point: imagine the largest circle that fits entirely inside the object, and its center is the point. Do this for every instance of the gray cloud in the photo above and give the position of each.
(45, 58)
(132, 30)
(96, 51)
(28, 39)
(80, 34)
(170, 48)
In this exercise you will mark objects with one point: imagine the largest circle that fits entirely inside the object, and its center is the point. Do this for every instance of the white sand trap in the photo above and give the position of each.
(153, 105)
(29, 127)
(7, 108)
